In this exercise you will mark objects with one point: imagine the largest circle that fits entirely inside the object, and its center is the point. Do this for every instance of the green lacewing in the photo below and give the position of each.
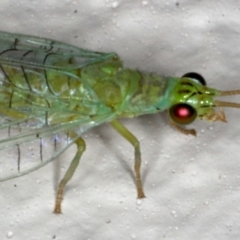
(52, 92)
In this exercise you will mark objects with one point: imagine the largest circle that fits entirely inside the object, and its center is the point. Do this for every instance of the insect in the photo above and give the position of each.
(52, 92)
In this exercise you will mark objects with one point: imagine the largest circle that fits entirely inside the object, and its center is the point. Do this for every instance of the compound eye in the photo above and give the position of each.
(182, 113)
(195, 76)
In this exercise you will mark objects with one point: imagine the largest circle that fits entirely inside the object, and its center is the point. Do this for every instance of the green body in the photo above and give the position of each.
(105, 88)
(48, 87)
(99, 89)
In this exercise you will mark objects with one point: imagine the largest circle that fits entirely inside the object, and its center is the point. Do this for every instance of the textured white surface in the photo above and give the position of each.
(192, 184)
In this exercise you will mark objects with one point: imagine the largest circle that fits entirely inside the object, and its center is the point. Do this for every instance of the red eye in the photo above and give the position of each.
(182, 113)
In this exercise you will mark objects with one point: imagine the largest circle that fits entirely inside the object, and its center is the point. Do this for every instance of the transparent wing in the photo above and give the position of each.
(26, 146)
(36, 52)
(42, 98)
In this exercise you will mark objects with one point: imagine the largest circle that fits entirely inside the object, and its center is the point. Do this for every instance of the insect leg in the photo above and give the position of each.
(183, 130)
(81, 146)
(133, 140)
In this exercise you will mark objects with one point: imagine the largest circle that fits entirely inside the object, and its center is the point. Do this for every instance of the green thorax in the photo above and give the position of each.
(127, 92)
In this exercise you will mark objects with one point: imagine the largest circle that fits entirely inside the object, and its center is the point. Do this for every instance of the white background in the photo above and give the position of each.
(192, 184)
